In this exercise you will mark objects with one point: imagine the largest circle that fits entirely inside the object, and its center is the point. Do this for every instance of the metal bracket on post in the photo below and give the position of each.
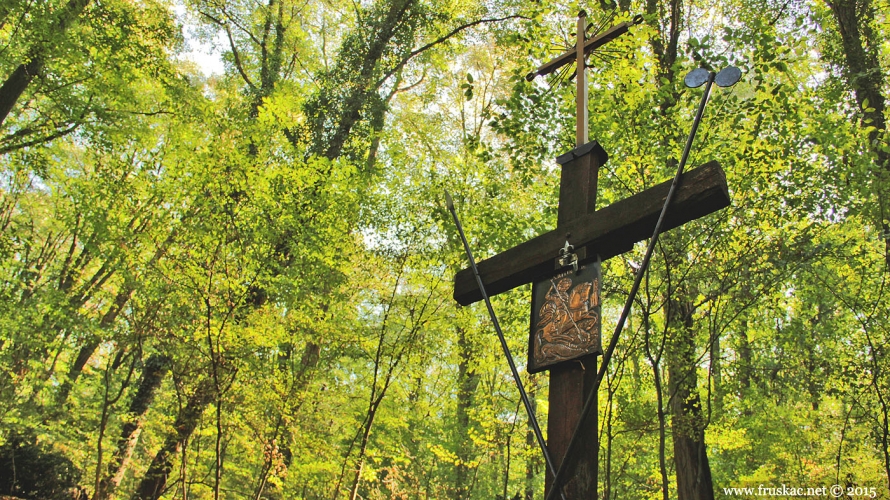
(567, 257)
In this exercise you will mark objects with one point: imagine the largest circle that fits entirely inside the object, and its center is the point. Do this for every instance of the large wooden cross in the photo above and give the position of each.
(594, 234)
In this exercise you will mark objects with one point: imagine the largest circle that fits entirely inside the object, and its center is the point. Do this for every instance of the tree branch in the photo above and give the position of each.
(242, 28)
(442, 39)
(40, 140)
(235, 53)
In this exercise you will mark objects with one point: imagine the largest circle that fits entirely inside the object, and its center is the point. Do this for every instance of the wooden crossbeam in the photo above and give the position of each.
(607, 232)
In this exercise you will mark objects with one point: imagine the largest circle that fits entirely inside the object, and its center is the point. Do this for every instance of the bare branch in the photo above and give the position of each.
(40, 140)
(235, 52)
(442, 39)
(410, 86)
(242, 28)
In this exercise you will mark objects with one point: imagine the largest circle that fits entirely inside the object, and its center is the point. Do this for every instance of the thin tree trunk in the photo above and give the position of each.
(107, 404)
(281, 436)
(611, 389)
(153, 373)
(404, 339)
(655, 361)
(532, 460)
(716, 371)
(467, 380)
(745, 359)
(363, 448)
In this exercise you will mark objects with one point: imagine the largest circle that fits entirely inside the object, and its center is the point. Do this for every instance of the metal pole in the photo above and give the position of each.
(497, 326)
(638, 278)
(581, 120)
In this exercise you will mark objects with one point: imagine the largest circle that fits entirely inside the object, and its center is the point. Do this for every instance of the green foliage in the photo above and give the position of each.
(239, 286)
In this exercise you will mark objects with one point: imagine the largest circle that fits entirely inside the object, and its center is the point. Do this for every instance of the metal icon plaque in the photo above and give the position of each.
(566, 322)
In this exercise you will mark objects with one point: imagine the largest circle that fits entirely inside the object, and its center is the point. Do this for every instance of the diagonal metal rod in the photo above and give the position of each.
(533, 420)
(589, 403)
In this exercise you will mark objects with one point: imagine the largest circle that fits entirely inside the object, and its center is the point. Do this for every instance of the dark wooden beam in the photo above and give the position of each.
(607, 232)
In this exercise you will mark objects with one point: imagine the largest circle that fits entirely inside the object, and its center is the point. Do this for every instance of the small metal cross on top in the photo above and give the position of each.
(578, 54)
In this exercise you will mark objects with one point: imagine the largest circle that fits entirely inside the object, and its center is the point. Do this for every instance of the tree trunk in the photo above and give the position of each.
(354, 81)
(281, 436)
(655, 355)
(363, 448)
(152, 376)
(693, 471)
(152, 485)
(16, 84)
(532, 461)
(745, 363)
(467, 380)
(21, 77)
(862, 70)
(87, 350)
(716, 371)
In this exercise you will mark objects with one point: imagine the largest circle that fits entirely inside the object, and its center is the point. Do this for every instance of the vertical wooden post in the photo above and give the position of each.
(570, 383)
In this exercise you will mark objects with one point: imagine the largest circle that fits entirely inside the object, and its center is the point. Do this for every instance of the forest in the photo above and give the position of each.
(239, 284)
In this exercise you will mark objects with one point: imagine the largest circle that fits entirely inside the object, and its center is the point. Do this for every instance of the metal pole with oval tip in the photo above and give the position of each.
(497, 327)
(726, 78)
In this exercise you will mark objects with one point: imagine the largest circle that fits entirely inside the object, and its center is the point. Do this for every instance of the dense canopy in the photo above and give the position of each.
(239, 285)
